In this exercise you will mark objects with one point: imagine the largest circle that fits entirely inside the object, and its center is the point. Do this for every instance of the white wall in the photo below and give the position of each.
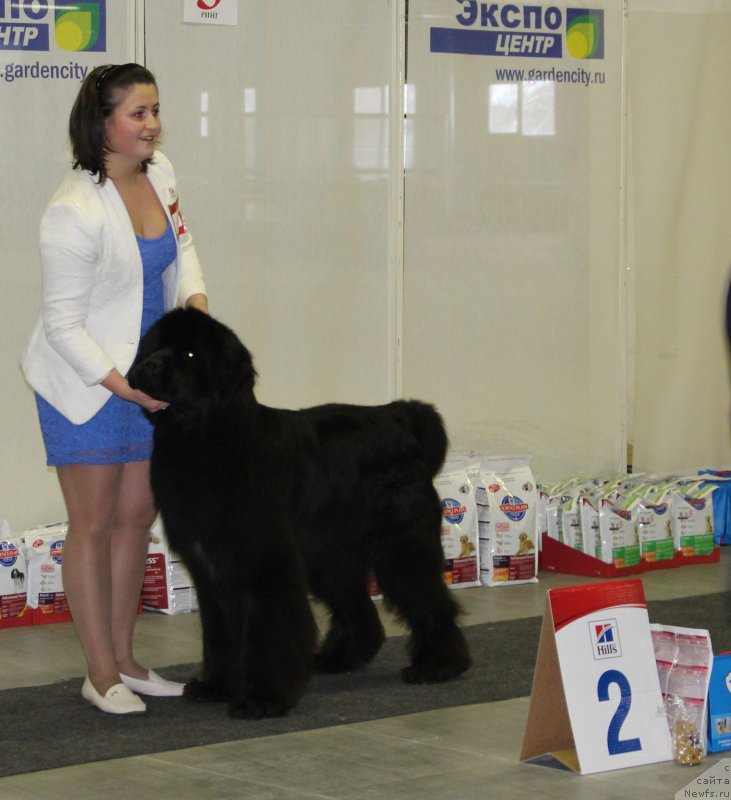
(34, 158)
(281, 134)
(680, 238)
(512, 270)
(543, 306)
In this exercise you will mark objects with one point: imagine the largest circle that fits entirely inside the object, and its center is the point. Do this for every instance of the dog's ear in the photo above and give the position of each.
(238, 374)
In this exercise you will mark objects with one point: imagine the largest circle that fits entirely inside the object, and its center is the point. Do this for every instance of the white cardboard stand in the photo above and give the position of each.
(596, 703)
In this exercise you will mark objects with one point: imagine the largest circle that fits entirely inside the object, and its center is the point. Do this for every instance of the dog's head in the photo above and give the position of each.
(193, 362)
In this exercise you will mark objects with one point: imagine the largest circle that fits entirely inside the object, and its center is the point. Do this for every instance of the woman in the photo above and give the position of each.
(115, 255)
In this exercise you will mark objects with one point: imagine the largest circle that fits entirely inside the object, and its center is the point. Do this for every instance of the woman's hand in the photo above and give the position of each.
(199, 301)
(147, 402)
(117, 384)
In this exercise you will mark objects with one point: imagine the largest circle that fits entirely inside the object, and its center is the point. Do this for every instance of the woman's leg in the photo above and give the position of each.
(91, 495)
(130, 539)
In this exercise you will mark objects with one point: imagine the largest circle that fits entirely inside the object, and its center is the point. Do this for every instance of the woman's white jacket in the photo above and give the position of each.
(91, 308)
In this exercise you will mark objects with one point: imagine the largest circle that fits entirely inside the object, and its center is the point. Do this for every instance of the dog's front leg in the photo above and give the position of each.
(278, 642)
(216, 683)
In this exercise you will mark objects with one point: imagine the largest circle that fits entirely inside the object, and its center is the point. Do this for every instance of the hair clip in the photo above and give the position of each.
(100, 80)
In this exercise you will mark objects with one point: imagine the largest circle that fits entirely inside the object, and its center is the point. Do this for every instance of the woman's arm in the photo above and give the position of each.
(118, 385)
(199, 301)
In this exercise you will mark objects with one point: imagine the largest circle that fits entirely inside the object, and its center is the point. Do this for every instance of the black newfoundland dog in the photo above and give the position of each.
(265, 504)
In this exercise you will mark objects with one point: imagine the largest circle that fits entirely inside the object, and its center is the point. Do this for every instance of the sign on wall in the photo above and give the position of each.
(211, 12)
(38, 41)
(527, 31)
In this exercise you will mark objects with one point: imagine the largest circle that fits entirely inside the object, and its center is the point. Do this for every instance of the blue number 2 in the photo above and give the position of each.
(614, 743)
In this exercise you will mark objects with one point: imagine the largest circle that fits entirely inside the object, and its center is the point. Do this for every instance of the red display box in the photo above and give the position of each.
(558, 557)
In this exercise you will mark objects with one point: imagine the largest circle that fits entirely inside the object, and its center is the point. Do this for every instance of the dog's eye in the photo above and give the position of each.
(190, 355)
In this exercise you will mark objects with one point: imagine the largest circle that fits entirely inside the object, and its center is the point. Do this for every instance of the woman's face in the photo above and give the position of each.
(133, 127)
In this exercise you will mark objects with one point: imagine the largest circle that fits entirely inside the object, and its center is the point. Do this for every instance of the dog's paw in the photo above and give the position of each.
(203, 692)
(257, 708)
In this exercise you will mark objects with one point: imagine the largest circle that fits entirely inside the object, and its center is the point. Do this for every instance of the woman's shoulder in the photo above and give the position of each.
(161, 165)
(79, 186)
(76, 198)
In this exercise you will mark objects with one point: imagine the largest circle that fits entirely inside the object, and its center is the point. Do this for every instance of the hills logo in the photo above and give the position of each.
(75, 26)
(514, 507)
(452, 510)
(605, 639)
(8, 554)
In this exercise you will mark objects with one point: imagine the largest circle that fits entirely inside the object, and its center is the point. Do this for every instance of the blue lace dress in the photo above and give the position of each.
(119, 432)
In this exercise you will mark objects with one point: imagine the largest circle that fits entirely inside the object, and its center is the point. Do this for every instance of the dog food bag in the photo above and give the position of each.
(654, 528)
(507, 498)
(559, 495)
(167, 585)
(44, 551)
(618, 533)
(13, 579)
(589, 518)
(544, 496)
(570, 523)
(459, 524)
(692, 518)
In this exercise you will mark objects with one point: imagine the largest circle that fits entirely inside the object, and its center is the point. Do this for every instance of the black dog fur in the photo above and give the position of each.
(264, 504)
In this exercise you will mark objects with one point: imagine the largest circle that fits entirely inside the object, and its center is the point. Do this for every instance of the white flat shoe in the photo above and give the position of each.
(117, 700)
(154, 686)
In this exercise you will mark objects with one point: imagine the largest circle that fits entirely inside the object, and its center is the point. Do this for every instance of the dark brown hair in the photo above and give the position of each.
(96, 100)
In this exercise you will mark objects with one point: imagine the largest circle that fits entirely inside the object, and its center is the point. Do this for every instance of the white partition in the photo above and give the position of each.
(280, 130)
(512, 272)
(680, 238)
(543, 257)
(34, 114)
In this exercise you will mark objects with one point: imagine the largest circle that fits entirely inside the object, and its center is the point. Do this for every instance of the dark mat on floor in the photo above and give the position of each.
(50, 726)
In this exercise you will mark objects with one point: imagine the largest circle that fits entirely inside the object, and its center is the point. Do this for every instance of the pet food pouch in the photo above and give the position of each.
(507, 499)
(589, 517)
(618, 532)
(684, 658)
(654, 529)
(13, 576)
(570, 523)
(557, 496)
(692, 512)
(544, 496)
(459, 524)
(44, 548)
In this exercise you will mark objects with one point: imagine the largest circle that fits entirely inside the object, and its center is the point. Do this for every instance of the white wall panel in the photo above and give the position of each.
(34, 114)
(523, 219)
(512, 271)
(280, 131)
(680, 112)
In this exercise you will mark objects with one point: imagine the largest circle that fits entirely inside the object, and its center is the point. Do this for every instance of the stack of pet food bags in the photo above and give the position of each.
(628, 518)
(13, 579)
(31, 583)
(168, 586)
(488, 519)
(44, 549)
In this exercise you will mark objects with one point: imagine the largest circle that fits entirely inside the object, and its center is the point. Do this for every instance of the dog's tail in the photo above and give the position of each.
(427, 427)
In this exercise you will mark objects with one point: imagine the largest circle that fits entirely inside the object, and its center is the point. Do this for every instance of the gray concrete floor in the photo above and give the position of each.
(456, 753)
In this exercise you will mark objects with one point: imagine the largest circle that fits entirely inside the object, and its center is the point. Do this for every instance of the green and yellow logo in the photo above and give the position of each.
(585, 33)
(81, 26)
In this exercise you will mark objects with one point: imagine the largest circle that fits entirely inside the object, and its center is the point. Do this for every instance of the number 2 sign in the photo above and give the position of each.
(596, 703)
